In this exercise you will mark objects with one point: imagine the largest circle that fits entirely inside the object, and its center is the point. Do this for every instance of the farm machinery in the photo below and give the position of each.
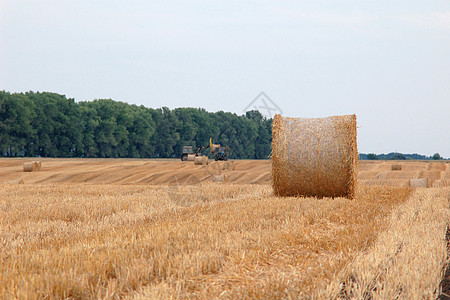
(219, 152)
(188, 153)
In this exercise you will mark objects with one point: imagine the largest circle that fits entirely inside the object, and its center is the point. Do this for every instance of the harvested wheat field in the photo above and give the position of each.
(140, 172)
(146, 229)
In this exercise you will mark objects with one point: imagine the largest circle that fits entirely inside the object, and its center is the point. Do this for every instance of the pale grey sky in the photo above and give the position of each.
(386, 61)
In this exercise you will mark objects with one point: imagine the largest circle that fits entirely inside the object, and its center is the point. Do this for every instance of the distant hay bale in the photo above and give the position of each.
(219, 178)
(198, 160)
(37, 165)
(228, 165)
(396, 167)
(190, 157)
(314, 157)
(418, 183)
(33, 166)
(201, 160)
(30, 167)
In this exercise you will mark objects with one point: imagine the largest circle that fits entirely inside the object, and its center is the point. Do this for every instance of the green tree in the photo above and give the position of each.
(397, 156)
(372, 156)
(16, 128)
(49, 124)
(436, 156)
(166, 137)
(263, 141)
(57, 124)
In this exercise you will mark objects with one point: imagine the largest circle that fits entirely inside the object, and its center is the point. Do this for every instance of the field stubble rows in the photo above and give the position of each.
(218, 241)
(157, 172)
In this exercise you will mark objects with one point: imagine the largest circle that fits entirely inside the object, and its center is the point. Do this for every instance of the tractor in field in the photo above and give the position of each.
(188, 153)
(220, 153)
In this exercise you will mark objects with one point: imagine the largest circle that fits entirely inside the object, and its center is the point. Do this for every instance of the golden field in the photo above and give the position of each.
(146, 229)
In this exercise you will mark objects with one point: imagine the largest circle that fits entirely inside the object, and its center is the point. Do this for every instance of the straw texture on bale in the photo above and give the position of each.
(396, 167)
(201, 160)
(314, 157)
(30, 167)
(190, 157)
(418, 183)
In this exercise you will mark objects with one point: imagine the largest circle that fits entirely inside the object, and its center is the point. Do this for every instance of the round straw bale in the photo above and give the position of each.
(396, 167)
(190, 157)
(36, 167)
(29, 167)
(220, 178)
(198, 160)
(201, 160)
(39, 165)
(314, 157)
(418, 183)
(228, 165)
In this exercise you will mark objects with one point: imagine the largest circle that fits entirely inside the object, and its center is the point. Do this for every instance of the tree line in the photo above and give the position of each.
(398, 156)
(51, 125)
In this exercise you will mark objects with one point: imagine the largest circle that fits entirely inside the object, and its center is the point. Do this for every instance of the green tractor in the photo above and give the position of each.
(220, 153)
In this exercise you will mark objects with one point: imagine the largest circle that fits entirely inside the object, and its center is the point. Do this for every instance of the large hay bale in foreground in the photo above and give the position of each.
(30, 167)
(314, 157)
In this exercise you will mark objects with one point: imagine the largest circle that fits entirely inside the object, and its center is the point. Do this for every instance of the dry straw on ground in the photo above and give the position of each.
(314, 157)
(206, 241)
(418, 183)
(407, 260)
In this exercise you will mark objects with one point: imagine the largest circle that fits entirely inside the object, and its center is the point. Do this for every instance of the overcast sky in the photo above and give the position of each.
(386, 61)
